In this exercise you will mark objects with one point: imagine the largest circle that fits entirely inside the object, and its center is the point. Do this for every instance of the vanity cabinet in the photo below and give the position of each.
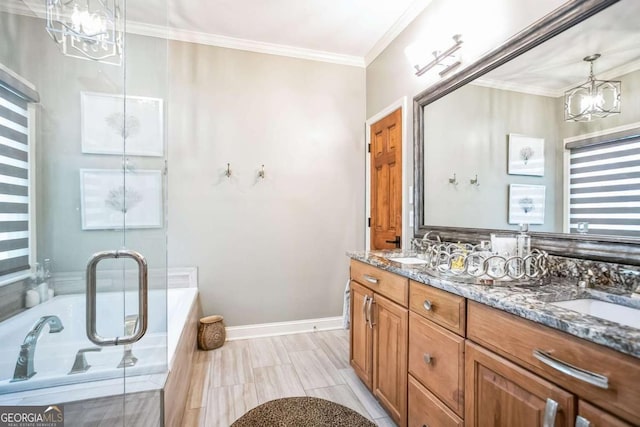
(500, 393)
(436, 356)
(361, 348)
(433, 358)
(590, 416)
(378, 337)
(595, 374)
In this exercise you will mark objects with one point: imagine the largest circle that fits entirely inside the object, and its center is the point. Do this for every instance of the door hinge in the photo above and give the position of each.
(368, 222)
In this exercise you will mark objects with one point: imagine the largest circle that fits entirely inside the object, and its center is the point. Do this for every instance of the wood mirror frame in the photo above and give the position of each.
(602, 248)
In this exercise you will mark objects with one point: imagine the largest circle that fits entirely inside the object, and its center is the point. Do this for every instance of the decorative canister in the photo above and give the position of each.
(211, 333)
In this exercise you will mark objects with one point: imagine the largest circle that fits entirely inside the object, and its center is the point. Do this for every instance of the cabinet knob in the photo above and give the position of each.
(427, 358)
(427, 305)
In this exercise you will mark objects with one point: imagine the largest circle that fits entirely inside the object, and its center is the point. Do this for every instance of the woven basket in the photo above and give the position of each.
(211, 332)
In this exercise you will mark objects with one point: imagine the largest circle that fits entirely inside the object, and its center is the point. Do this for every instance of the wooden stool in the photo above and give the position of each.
(211, 332)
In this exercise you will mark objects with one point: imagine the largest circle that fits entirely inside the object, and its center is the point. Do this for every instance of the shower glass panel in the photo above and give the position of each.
(82, 170)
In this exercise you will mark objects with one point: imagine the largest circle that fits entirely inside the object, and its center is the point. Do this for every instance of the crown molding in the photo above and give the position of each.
(403, 22)
(150, 30)
(169, 33)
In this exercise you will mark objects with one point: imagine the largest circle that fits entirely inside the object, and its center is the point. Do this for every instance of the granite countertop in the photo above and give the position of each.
(529, 301)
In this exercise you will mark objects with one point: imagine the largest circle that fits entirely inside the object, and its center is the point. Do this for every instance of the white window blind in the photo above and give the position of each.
(14, 183)
(604, 187)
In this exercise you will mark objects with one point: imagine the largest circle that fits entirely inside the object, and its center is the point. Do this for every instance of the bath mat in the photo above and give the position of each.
(302, 412)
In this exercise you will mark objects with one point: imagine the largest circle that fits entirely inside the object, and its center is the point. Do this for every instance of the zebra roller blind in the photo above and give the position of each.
(14, 183)
(604, 187)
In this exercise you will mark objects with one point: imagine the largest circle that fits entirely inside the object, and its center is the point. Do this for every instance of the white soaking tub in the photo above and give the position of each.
(55, 353)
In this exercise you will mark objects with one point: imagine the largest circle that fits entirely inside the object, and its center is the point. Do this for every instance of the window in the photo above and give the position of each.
(15, 171)
(604, 186)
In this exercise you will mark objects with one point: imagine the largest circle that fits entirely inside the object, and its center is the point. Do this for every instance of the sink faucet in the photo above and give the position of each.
(24, 366)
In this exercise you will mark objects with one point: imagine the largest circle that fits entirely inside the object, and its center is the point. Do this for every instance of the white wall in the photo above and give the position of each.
(274, 249)
(267, 251)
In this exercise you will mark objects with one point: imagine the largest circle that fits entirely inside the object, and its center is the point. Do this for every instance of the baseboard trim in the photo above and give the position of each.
(283, 328)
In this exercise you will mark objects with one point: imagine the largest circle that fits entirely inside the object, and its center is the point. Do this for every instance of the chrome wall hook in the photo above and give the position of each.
(261, 172)
(227, 173)
(453, 180)
(475, 181)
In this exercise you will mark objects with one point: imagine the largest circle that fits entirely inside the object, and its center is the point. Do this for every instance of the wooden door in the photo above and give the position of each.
(501, 394)
(596, 417)
(386, 182)
(390, 332)
(361, 334)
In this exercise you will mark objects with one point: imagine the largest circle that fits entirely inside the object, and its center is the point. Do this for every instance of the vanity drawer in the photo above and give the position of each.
(441, 307)
(517, 339)
(426, 410)
(436, 359)
(388, 284)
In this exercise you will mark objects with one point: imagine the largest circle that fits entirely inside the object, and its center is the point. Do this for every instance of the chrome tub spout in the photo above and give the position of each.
(24, 366)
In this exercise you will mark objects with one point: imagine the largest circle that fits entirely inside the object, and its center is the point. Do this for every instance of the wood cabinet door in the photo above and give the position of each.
(361, 334)
(390, 332)
(501, 394)
(596, 417)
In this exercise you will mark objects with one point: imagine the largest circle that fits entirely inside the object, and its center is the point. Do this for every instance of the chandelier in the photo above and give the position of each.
(87, 29)
(594, 99)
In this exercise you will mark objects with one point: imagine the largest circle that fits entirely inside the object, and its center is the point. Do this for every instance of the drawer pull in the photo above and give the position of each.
(582, 422)
(573, 371)
(427, 305)
(550, 411)
(427, 358)
(370, 279)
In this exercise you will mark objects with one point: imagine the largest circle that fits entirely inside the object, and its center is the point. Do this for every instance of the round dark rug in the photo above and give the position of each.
(301, 412)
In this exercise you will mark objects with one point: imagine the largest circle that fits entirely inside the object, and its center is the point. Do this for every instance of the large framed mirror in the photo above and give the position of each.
(501, 143)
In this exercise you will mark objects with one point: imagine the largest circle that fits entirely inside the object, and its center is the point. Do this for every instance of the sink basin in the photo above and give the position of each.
(408, 260)
(604, 310)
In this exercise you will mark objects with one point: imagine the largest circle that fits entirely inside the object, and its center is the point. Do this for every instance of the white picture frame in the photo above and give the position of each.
(526, 204)
(103, 130)
(103, 193)
(526, 155)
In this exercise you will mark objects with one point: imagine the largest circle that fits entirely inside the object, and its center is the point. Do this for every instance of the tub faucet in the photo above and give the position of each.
(80, 364)
(130, 325)
(24, 366)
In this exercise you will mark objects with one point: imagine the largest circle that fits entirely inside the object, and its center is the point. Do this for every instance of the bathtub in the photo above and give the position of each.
(55, 352)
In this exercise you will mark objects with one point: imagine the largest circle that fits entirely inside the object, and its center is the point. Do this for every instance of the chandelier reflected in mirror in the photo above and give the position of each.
(87, 29)
(594, 99)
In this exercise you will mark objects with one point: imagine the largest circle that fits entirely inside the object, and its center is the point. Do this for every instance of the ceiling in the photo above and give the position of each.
(557, 65)
(343, 29)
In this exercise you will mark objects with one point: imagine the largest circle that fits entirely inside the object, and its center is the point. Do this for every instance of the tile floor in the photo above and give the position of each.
(229, 381)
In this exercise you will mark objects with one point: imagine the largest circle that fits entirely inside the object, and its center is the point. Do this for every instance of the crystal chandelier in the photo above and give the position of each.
(593, 99)
(87, 29)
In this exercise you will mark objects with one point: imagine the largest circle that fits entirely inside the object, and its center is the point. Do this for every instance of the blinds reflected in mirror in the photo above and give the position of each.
(604, 188)
(14, 183)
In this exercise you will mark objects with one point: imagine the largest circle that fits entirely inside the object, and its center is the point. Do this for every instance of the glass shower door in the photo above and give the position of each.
(92, 145)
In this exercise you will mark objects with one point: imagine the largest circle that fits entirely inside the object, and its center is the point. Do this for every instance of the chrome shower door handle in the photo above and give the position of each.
(143, 287)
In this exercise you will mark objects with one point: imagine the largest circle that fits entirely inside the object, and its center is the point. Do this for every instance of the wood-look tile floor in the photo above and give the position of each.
(231, 380)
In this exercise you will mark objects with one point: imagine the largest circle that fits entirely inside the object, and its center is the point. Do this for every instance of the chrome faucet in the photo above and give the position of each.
(24, 366)
(80, 364)
(130, 325)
